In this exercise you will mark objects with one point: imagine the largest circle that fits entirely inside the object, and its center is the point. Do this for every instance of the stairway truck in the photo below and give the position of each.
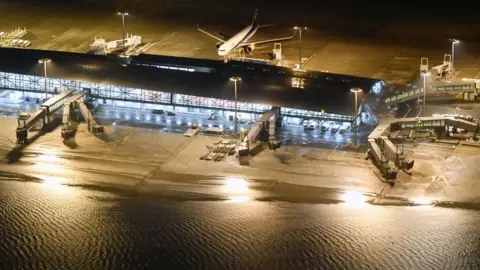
(374, 152)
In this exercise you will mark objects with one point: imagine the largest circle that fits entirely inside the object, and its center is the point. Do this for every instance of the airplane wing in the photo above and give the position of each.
(268, 40)
(210, 34)
(224, 36)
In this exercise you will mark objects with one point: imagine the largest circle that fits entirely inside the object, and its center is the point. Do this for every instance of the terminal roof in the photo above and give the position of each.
(262, 84)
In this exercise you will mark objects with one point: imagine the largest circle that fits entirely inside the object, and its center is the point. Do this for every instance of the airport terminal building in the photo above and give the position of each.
(185, 84)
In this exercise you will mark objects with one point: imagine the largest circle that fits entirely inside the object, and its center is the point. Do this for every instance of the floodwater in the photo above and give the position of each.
(46, 225)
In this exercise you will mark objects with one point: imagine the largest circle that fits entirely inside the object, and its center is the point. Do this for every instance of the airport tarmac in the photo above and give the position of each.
(390, 52)
(151, 159)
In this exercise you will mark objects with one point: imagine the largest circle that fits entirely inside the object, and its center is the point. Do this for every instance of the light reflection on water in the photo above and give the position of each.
(51, 157)
(236, 185)
(354, 199)
(236, 189)
(47, 167)
(422, 200)
(58, 185)
(44, 231)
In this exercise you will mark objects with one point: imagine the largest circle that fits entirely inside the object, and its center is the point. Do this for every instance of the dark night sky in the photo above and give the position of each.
(340, 17)
(372, 8)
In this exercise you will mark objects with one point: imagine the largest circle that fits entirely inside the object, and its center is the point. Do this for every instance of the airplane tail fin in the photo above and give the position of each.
(255, 13)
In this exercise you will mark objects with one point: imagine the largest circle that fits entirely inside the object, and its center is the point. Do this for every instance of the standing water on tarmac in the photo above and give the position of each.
(50, 226)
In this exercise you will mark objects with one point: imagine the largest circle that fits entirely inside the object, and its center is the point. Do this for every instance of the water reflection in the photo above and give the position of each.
(52, 157)
(51, 168)
(237, 189)
(47, 163)
(238, 199)
(354, 199)
(58, 185)
(421, 200)
(53, 181)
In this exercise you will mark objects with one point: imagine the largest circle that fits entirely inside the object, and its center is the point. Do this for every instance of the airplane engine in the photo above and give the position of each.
(219, 44)
(249, 48)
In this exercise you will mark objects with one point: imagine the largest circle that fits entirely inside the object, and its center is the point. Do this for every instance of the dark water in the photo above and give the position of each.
(55, 227)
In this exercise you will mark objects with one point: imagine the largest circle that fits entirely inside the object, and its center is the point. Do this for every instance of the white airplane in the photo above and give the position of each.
(240, 40)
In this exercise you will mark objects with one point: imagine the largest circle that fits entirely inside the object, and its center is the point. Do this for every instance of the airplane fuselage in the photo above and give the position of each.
(241, 37)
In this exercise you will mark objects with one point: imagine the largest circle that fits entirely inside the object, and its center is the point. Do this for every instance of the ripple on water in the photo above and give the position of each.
(42, 230)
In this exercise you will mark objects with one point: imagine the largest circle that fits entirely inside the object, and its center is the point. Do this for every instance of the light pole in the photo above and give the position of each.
(356, 91)
(454, 41)
(235, 80)
(425, 75)
(300, 28)
(123, 14)
(44, 61)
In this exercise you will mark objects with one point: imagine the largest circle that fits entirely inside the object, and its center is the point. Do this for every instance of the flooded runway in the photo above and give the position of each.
(46, 225)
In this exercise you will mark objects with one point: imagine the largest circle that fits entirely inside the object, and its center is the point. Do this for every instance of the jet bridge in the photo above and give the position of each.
(439, 89)
(435, 122)
(77, 101)
(382, 150)
(26, 121)
(263, 128)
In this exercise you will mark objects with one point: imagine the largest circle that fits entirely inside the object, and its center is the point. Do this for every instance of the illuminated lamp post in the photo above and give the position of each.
(44, 61)
(454, 41)
(123, 14)
(300, 28)
(356, 91)
(235, 80)
(425, 75)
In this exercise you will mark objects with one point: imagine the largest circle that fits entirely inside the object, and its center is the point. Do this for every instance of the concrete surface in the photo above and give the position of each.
(152, 159)
(385, 50)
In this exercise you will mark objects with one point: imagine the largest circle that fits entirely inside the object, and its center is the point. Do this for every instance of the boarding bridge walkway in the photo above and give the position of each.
(254, 133)
(27, 121)
(435, 89)
(382, 150)
(266, 121)
(464, 124)
(435, 122)
(77, 101)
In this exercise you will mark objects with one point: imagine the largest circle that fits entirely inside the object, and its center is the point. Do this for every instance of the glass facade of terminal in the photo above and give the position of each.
(114, 95)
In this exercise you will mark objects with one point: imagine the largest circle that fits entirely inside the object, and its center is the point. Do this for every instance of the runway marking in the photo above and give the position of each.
(407, 111)
(77, 48)
(328, 157)
(54, 40)
(420, 111)
(402, 49)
